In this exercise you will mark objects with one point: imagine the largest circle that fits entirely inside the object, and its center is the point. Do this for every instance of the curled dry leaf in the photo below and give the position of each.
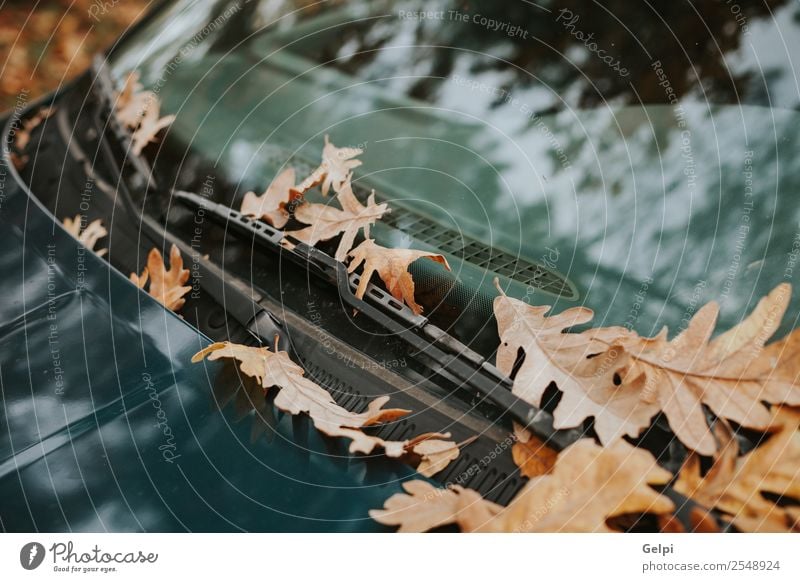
(167, 286)
(435, 451)
(23, 135)
(140, 111)
(328, 221)
(700, 521)
(271, 205)
(132, 101)
(530, 454)
(425, 507)
(334, 171)
(298, 395)
(392, 267)
(19, 161)
(736, 486)
(588, 486)
(622, 379)
(88, 236)
(151, 124)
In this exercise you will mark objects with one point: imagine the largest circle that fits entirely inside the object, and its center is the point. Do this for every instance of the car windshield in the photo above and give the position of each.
(633, 150)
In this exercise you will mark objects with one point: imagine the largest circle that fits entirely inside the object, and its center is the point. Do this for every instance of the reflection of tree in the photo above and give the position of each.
(689, 39)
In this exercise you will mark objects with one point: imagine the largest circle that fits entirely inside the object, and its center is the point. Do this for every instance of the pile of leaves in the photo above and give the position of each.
(47, 43)
(621, 381)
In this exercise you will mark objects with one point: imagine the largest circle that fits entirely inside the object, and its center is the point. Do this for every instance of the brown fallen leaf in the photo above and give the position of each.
(425, 507)
(435, 451)
(334, 171)
(18, 161)
(623, 379)
(530, 454)
(148, 131)
(735, 485)
(23, 136)
(297, 394)
(167, 286)
(140, 111)
(392, 267)
(328, 221)
(700, 521)
(587, 487)
(271, 205)
(132, 101)
(89, 236)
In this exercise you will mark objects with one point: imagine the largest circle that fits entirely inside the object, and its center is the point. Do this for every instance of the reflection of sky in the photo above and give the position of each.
(607, 187)
(773, 41)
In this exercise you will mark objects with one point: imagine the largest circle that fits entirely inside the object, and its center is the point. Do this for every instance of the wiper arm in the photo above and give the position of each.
(451, 357)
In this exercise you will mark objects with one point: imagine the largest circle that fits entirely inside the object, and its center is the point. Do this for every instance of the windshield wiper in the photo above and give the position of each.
(449, 356)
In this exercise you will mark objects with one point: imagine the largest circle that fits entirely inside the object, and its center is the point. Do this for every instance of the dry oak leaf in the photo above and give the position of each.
(271, 205)
(588, 486)
(425, 507)
(735, 485)
(89, 236)
(139, 110)
(147, 131)
(24, 134)
(435, 451)
(167, 286)
(530, 454)
(18, 161)
(392, 267)
(587, 383)
(623, 379)
(132, 101)
(334, 171)
(298, 395)
(328, 221)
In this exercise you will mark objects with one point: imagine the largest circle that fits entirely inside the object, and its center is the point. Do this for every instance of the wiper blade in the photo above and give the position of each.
(451, 357)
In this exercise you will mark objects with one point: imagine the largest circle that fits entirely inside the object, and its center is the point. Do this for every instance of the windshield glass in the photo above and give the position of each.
(644, 155)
